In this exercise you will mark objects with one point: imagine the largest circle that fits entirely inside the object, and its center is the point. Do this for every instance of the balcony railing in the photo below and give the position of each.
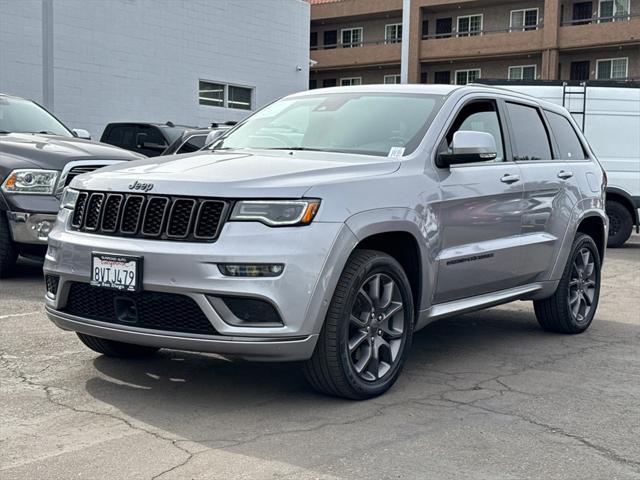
(592, 20)
(478, 33)
(387, 41)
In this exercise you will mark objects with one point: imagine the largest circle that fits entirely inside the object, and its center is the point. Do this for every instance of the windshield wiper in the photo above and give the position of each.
(301, 149)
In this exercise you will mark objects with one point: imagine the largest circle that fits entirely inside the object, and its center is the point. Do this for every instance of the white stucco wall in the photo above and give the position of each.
(140, 60)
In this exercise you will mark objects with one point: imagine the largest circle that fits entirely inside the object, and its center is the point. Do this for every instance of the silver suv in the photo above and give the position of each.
(330, 226)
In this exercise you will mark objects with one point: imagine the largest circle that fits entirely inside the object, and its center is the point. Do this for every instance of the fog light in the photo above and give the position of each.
(251, 270)
(43, 228)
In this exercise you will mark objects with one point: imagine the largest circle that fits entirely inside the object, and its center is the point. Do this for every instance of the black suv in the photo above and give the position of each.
(150, 139)
(39, 156)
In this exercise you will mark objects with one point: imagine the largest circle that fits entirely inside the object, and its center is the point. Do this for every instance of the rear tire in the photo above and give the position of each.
(8, 251)
(111, 348)
(573, 305)
(620, 224)
(366, 335)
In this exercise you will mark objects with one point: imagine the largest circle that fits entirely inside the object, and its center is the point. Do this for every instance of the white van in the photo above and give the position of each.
(609, 115)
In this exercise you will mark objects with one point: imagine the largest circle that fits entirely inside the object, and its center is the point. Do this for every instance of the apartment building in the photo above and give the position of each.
(458, 41)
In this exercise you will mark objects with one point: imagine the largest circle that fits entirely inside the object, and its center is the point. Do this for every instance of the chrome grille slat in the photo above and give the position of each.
(111, 213)
(154, 214)
(180, 218)
(175, 218)
(93, 212)
(131, 213)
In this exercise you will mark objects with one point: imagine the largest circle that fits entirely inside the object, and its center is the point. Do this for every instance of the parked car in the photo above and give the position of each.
(330, 226)
(608, 113)
(194, 139)
(39, 156)
(149, 139)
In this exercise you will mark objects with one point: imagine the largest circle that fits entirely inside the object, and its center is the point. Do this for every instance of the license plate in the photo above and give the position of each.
(117, 272)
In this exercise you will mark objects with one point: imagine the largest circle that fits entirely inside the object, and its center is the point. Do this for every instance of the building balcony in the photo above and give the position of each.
(599, 32)
(484, 44)
(353, 8)
(362, 54)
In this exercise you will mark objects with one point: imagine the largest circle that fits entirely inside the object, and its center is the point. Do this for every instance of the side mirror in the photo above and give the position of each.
(81, 133)
(140, 139)
(212, 137)
(468, 147)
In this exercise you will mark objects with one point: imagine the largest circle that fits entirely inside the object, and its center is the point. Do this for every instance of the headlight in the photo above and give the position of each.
(31, 181)
(69, 198)
(276, 213)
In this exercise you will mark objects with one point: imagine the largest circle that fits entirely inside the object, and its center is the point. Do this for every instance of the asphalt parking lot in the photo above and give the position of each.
(486, 395)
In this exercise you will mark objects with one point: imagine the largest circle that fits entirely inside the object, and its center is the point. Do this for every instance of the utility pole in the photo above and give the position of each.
(404, 56)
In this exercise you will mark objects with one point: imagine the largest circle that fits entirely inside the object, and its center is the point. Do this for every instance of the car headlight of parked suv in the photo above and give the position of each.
(69, 198)
(276, 213)
(31, 181)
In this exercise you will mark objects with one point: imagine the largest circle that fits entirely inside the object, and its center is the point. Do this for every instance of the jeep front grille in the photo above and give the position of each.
(149, 216)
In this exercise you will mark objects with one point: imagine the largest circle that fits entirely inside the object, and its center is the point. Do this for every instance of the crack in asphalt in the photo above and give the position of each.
(427, 400)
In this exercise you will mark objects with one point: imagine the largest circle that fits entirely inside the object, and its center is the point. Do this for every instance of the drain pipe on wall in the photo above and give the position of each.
(404, 57)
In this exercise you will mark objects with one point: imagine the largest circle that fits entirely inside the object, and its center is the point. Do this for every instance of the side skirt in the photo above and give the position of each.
(533, 291)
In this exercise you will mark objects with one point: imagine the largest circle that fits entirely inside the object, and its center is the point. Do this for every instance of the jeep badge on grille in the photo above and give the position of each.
(145, 187)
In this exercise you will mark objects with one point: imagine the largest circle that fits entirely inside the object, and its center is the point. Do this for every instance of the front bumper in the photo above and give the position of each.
(313, 257)
(31, 228)
(256, 349)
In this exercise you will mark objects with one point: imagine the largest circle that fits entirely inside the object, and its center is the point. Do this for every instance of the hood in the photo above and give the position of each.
(25, 150)
(247, 174)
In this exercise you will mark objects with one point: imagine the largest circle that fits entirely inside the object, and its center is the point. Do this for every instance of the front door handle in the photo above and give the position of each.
(565, 175)
(510, 178)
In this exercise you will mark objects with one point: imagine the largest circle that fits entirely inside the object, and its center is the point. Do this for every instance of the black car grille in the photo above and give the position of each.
(149, 216)
(79, 170)
(168, 312)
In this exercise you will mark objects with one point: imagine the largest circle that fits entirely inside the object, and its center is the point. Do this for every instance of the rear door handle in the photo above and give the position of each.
(510, 178)
(565, 175)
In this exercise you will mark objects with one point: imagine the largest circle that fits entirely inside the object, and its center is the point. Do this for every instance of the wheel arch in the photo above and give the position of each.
(623, 198)
(594, 226)
(399, 236)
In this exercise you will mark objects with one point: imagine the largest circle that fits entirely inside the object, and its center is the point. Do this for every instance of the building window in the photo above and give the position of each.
(467, 76)
(313, 41)
(444, 26)
(579, 70)
(613, 10)
(443, 78)
(424, 77)
(225, 96)
(313, 84)
(330, 38)
(425, 28)
(522, 72)
(525, 19)
(612, 68)
(582, 12)
(470, 25)
(392, 79)
(211, 94)
(351, 37)
(345, 82)
(393, 33)
(329, 82)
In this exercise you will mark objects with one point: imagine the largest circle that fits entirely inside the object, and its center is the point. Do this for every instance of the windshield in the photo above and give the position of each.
(381, 124)
(22, 116)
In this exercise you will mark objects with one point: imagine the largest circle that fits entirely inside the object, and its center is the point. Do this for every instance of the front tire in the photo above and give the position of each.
(620, 224)
(111, 348)
(367, 333)
(572, 307)
(8, 251)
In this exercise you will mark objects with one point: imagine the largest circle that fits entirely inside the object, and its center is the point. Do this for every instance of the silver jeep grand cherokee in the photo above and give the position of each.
(330, 226)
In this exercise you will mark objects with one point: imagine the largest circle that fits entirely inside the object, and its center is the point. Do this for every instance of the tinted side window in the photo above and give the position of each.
(122, 137)
(194, 144)
(153, 136)
(530, 140)
(566, 137)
